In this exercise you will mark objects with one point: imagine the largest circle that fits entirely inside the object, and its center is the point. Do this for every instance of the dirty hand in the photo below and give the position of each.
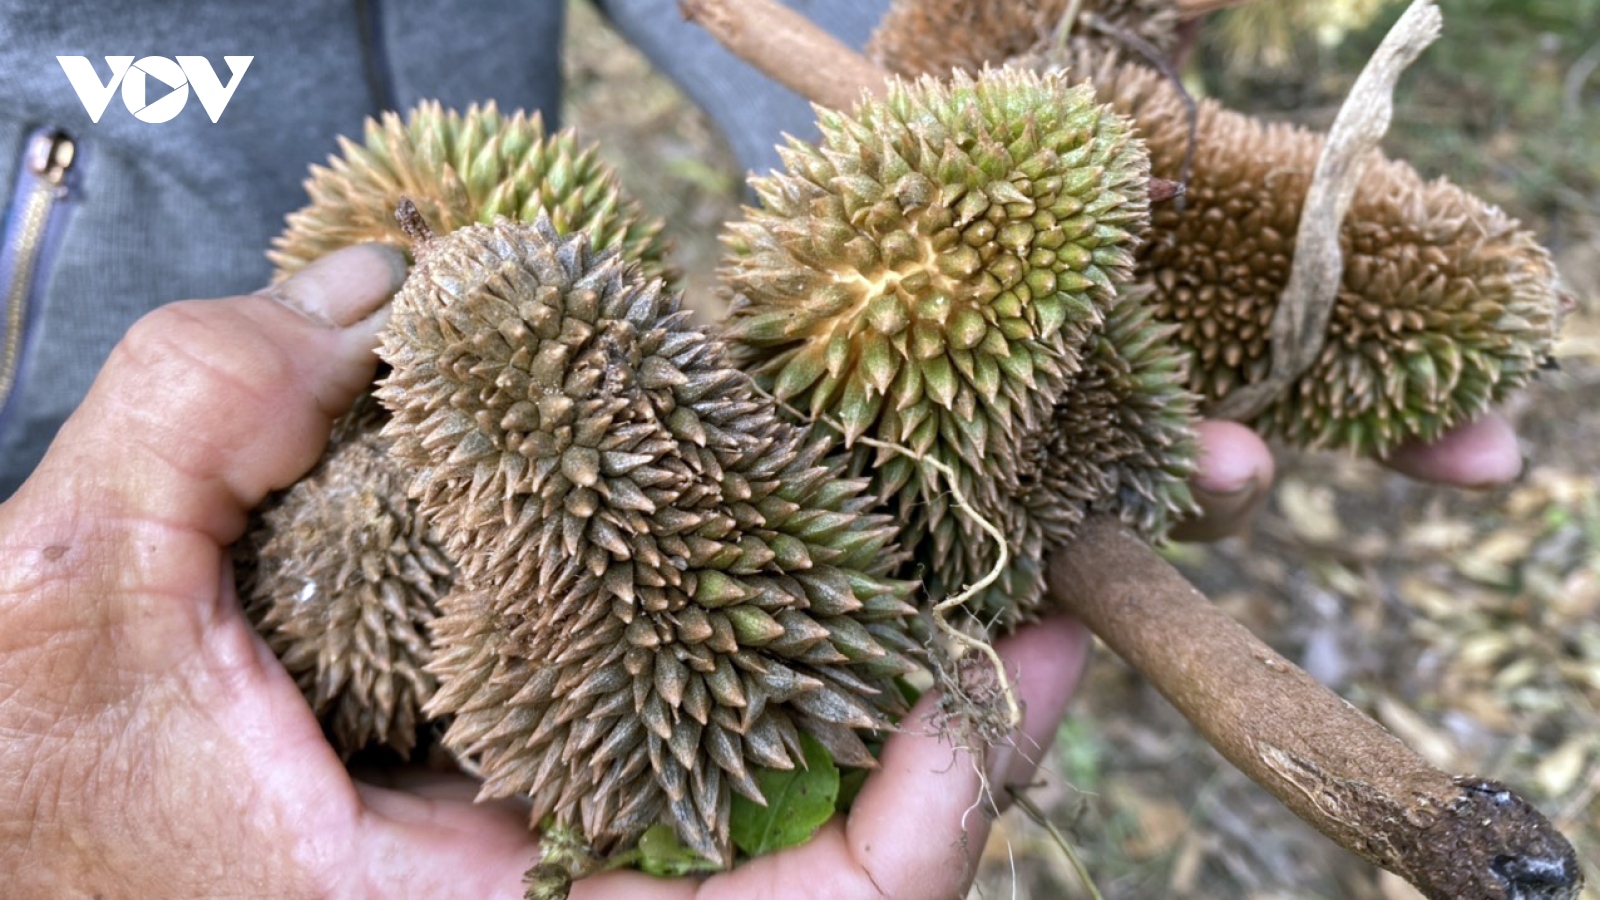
(153, 745)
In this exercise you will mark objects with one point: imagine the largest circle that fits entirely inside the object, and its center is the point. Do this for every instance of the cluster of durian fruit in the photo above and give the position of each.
(622, 561)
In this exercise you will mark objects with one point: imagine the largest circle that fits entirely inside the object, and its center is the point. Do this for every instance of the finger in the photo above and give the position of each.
(1017, 765)
(918, 825)
(1482, 453)
(205, 406)
(442, 846)
(917, 828)
(1235, 473)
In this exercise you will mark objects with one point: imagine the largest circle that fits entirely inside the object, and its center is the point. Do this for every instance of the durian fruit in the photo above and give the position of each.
(935, 37)
(459, 169)
(662, 585)
(925, 276)
(1446, 306)
(462, 168)
(341, 578)
(1120, 438)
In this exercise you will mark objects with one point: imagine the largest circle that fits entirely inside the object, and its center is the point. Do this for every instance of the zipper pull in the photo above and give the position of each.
(50, 156)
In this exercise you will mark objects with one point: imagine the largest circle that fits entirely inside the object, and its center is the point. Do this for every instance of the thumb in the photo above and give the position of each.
(207, 405)
(425, 835)
(1235, 475)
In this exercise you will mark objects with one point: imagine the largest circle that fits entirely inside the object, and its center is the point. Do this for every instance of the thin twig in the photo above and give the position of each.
(1068, 23)
(1191, 9)
(1152, 55)
(1300, 325)
(1026, 804)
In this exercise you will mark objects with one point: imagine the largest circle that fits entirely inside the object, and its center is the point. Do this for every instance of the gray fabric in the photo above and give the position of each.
(186, 208)
(752, 111)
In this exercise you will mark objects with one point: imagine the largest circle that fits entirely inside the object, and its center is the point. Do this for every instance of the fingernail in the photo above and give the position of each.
(345, 286)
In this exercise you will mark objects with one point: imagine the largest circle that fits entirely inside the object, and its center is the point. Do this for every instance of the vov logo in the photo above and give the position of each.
(134, 78)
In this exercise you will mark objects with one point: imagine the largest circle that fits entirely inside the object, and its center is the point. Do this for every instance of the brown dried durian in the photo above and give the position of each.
(934, 37)
(341, 579)
(1446, 306)
(662, 585)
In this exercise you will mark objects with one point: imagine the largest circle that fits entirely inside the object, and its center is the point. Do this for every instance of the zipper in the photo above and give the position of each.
(41, 187)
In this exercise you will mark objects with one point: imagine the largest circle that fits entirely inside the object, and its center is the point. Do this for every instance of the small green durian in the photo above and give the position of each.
(460, 169)
(662, 584)
(926, 275)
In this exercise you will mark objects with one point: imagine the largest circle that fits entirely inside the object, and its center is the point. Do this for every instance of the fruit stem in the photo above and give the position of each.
(412, 223)
(1330, 764)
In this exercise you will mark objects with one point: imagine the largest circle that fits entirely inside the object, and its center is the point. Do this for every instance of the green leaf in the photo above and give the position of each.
(799, 801)
(661, 855)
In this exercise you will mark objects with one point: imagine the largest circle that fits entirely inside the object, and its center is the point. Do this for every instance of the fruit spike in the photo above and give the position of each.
(460, 169)
(926, 276)
(1446, 305)
(662, 584)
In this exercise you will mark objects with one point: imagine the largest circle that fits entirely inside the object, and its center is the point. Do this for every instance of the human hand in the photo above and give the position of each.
(154, 747)
(1236, 469)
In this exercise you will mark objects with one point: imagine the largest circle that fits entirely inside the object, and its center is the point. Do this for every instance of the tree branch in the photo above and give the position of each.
(787, 47)
(1454, 838)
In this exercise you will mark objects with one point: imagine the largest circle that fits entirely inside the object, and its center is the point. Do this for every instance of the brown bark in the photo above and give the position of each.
(788, 48)
(1453, 837)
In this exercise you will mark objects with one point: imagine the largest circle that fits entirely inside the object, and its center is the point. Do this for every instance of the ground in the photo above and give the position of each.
(1467, 622)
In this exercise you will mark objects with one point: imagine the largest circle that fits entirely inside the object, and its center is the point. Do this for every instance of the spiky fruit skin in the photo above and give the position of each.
(460, 169)
(1446, 305)
(936, 37)
(1121, 437)
(924, 277)
(662, 585)
(342, 581)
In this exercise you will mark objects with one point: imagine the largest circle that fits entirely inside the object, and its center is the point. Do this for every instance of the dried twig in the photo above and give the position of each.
(1455, 838)
(1032, 810)
(1300, 325)
(786, 46)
